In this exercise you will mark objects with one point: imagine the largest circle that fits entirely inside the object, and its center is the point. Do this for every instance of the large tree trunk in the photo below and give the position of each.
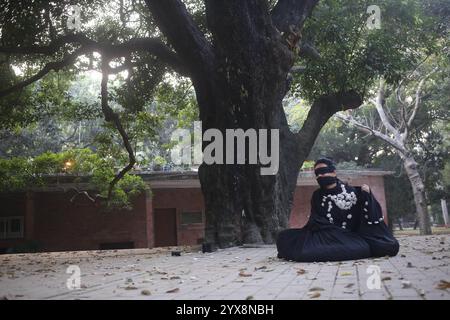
(240, 82)
(246, 91)
(418, 188)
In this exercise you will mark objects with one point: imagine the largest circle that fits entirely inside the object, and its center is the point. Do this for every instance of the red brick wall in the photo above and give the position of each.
(57, 224)
(62, 225)
(301, 206)
(183, 199)
(376, 184)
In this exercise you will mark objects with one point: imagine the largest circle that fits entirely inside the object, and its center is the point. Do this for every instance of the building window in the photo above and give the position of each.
(191, 217)
(11, 227)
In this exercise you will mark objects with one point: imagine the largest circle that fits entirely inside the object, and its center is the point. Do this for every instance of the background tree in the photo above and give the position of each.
(397, 124)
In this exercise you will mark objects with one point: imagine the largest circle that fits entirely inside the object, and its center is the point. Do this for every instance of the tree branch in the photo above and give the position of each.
(183, 34)
(368, 130)
(379, 102)
(55, 66)
(417, 101)
(111, 116)
(321, 111)
(152, 45)
(51, 48)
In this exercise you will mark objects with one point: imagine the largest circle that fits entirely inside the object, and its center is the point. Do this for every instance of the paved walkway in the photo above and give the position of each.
(420, 271)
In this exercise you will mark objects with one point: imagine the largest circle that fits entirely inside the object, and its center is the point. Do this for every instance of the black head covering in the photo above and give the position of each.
(330, 164)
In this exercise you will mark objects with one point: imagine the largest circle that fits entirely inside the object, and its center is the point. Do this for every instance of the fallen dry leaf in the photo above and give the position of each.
(313, 294)
(443, 285)
(260, 268)
(386, 278)
(316, 289)
(146, 292)
(406, 284)
(243, 274)
(130, 288)
(301, 271)
(161, 272)
(173, 290)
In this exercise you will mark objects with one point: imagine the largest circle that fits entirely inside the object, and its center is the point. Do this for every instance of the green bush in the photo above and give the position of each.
(20, 174)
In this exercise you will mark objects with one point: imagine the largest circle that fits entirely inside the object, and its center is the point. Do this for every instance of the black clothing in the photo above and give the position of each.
(346, 223)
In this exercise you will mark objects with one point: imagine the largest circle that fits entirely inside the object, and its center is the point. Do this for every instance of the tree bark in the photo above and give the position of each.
(418, 188)
(445, 212)
(245, 90)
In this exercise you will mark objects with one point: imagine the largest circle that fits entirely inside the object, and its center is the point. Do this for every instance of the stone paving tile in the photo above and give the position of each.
(234, 273)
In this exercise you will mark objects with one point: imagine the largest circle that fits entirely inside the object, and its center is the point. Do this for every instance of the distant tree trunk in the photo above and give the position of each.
(418, 188)
(397, 137)
(445, 212)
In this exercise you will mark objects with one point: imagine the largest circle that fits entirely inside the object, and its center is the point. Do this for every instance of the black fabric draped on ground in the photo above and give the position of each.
(346, 223)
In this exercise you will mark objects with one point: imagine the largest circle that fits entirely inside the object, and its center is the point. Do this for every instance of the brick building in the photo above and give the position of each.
(173, 215)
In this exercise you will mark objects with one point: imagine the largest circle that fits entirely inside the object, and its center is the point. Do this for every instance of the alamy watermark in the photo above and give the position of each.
(374, 280)
(74, 281)
(374, 20)
(74, 18)
(236, 141)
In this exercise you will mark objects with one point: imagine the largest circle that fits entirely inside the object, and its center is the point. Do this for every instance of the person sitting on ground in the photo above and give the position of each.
(346, 223)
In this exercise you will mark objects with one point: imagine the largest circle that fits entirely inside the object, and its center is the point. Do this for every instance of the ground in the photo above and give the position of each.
(420, 271)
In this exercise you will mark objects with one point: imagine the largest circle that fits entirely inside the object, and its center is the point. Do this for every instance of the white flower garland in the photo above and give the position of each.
(343, 200)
